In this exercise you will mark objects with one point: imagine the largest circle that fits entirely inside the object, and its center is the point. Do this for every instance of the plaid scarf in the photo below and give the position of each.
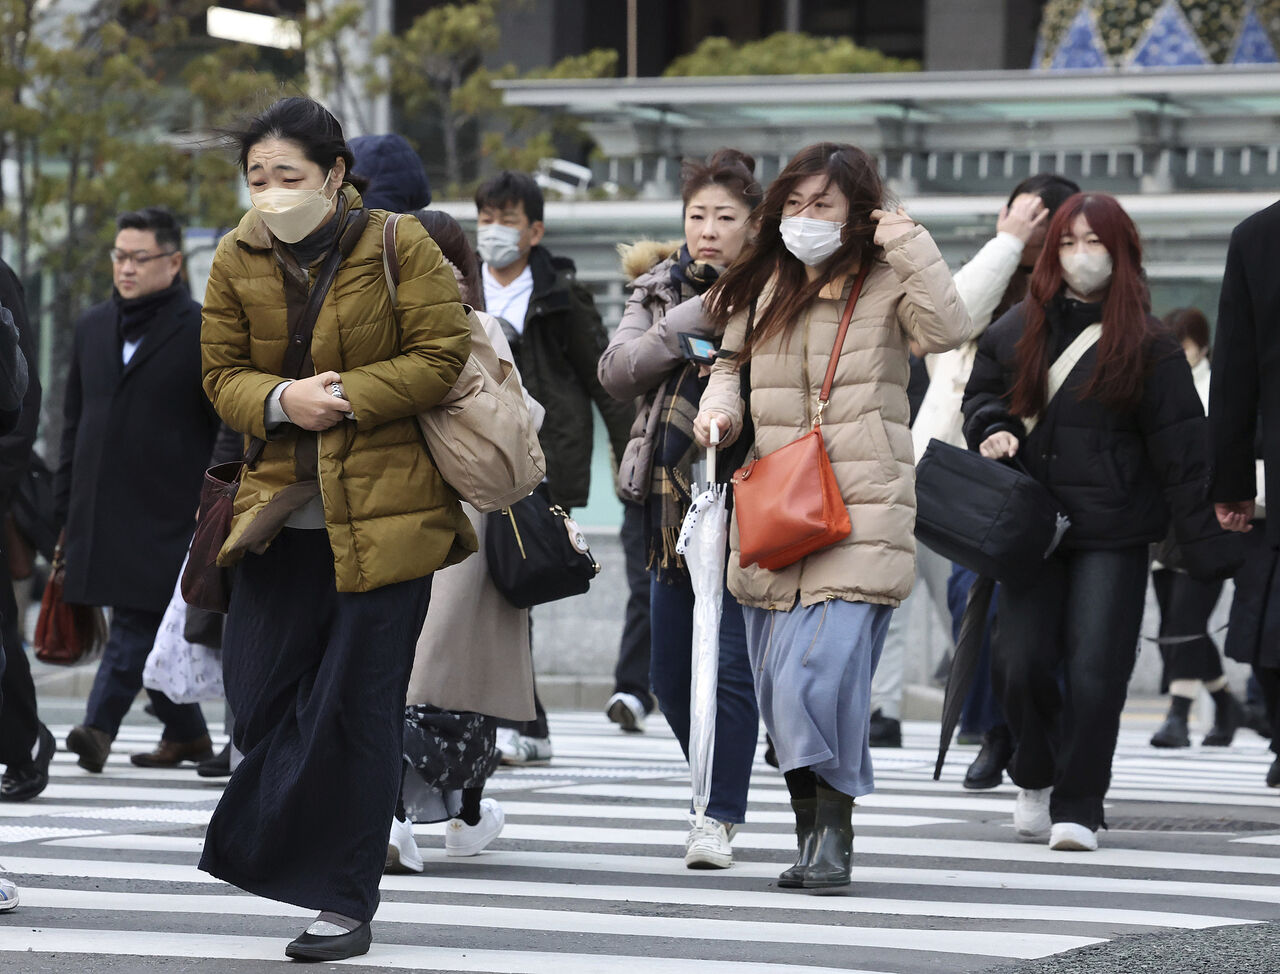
(670, 491)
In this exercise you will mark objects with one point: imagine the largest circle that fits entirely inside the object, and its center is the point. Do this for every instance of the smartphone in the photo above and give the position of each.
(696, 348)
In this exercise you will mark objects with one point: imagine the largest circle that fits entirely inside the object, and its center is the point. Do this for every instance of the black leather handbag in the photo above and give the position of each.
(537, 553)
(992, 517)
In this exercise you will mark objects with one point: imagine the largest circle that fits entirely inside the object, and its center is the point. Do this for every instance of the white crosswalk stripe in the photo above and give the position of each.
(588, 874)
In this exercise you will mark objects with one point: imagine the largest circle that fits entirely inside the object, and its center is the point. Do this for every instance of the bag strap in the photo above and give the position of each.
(1063, 366)
(835, 351)
(390, 259)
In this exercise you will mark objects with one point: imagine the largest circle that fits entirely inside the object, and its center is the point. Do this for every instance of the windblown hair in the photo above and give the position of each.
(853, 173)
(1189, 323)
(1118, 377)
(452, 241)
(729, 168)
(304, 122)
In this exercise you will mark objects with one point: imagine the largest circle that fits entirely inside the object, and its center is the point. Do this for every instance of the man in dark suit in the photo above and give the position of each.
(1246, 357)
(136, 439)
(26, 745)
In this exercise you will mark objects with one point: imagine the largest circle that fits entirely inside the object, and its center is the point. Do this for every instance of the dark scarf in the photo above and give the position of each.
(134, 316)
(317, 243)
(1067, 319)
(692, 275)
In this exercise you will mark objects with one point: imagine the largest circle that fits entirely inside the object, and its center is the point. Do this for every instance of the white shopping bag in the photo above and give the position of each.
(184, 672)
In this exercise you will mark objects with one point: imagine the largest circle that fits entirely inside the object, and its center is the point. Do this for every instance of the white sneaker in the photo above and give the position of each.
(627, 711)
(508, 740)
(402, 849)
(1072, 837)
(1031, 812)
(8, 895)
(461, 839)
(529, 750)
(708, 847)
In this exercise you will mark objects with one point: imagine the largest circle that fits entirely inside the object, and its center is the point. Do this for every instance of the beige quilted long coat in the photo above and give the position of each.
(909, 294)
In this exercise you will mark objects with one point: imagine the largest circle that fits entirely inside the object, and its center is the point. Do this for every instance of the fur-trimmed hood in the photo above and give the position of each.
(644, 255)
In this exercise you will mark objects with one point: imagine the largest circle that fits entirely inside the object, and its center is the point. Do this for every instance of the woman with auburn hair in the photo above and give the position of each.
(1123, 447)
(815, 628)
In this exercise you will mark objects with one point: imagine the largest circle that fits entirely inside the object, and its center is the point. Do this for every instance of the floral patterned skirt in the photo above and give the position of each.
(445, 751)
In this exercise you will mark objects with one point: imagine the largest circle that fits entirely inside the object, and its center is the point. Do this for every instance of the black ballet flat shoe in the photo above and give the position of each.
(309, 947)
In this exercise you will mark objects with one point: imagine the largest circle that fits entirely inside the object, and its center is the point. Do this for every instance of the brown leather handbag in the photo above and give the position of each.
(206, 584)
(66, 634)
(788, 502)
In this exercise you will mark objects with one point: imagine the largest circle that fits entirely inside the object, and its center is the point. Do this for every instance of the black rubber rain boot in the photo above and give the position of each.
(832, 841)
(806, 811)
(1228, 717)
(1174, 732)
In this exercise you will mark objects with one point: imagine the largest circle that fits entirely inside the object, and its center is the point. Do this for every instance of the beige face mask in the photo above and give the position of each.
(291, 214)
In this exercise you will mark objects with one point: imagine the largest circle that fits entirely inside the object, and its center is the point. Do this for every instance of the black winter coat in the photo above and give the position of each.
(558, 354)
(136, 441)
(19, 434)
(1118, 473)
(1246, 363)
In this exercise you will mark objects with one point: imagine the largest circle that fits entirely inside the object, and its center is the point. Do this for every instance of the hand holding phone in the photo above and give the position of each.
(697, 348)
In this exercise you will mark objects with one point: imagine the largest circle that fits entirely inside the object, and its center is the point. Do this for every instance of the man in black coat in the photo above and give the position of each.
(26, 745)
(1247, 349)
(13, 386)
(136, 438)
(1244, 393)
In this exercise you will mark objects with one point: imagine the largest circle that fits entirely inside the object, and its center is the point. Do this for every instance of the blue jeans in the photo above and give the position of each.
(671, 674)
(119, 678)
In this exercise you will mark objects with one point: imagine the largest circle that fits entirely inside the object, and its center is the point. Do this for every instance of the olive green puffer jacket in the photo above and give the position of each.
(389, 514)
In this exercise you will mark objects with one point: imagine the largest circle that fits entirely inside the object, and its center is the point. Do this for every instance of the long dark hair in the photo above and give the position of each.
(1118, 377)
(306, 123)
(453, 243)
(853, 173)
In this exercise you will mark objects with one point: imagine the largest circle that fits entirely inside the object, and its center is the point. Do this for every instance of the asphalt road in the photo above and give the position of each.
(588, 875)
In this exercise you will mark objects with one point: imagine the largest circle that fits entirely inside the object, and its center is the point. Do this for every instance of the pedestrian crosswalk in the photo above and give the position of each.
(588, 875)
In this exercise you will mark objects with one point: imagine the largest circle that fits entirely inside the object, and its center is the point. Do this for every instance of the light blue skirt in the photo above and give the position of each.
(812, 669)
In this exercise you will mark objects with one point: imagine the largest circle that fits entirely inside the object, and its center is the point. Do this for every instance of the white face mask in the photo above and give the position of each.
(498, 246)
(811, 241)
(291, 214)
(1086, 274)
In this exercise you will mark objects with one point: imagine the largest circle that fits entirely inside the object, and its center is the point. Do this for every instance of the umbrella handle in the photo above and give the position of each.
(711, 453)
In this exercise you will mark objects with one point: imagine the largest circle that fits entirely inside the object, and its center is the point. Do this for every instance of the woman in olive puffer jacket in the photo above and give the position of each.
(337, 529)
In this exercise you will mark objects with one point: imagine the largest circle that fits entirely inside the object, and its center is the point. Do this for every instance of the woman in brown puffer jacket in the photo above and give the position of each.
(336, 530)
(815, 628)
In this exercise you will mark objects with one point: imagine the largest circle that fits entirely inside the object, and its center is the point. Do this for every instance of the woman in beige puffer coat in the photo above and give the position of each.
(816, 627)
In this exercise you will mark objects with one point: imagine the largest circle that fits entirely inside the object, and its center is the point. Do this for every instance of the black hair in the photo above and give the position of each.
(159, 220)
(1049, 186)
(509, 187)
(730, 168)
(304, 122)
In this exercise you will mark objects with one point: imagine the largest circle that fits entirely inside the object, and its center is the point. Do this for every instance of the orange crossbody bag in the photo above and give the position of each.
(788, 503)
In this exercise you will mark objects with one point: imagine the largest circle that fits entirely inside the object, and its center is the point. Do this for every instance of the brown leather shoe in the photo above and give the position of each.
(91, 744)
(170, 754)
